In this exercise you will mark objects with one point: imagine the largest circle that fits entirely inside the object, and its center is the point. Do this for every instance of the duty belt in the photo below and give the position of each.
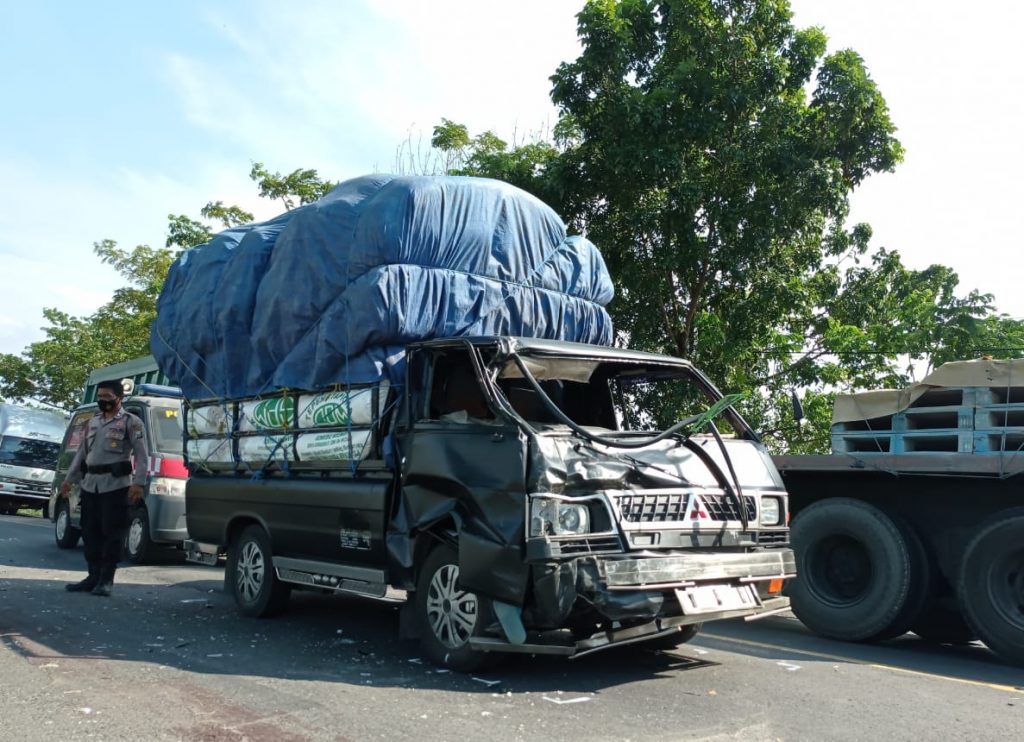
(117, 469)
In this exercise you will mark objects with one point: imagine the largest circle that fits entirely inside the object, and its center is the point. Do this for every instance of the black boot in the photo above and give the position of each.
(82, 587)
(103, 588)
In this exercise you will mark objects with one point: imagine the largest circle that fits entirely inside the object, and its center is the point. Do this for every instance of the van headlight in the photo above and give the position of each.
(555, 517)
(771, 511)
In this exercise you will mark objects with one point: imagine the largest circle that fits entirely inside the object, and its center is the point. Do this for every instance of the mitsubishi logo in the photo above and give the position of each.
(695, 509)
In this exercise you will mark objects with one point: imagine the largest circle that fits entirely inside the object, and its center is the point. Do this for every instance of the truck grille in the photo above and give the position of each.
(10, 486)
(671, 507)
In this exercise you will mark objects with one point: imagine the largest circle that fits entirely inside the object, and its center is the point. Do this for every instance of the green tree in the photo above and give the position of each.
(709, 148)
(302, 185)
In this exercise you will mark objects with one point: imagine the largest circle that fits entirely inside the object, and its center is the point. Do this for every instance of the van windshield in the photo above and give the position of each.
(28, 452)
(167, 430)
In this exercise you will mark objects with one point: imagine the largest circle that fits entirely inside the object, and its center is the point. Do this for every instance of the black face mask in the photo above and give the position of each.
(106, 405)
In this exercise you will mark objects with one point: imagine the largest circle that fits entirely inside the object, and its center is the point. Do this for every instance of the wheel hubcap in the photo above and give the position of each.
(62, 523)
(451, 612)
(135, 536)
(251, 571)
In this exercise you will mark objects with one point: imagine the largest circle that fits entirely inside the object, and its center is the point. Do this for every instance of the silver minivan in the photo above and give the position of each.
(160, 518)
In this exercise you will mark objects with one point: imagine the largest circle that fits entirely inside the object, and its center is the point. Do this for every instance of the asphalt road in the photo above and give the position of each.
(166, 658)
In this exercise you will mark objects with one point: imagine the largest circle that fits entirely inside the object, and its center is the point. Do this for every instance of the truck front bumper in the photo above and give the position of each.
(643, 597)
(649, 572)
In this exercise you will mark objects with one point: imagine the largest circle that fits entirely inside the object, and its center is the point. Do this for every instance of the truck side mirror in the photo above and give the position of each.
(798, 408)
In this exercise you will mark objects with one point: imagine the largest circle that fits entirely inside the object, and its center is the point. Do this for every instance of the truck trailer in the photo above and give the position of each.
(915, 522)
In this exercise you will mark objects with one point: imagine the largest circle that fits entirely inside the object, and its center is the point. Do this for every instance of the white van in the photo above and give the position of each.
(29, 443)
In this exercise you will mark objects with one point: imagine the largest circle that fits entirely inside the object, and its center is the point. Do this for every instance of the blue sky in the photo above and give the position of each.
(116, 114)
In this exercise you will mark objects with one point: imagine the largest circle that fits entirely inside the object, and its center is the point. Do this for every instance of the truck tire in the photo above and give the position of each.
(920, 588)
(137, 543)
(991, 584)
(448, 616)
(854, 570)
(250, 575)
(65, 534)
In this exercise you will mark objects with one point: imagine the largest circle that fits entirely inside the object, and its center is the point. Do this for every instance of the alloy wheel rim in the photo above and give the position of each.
(251, 571)
(451, 612)
(62, 523)
(135, 536)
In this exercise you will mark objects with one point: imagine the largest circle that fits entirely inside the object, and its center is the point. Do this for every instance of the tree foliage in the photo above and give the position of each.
(302, 185)
(709, 148)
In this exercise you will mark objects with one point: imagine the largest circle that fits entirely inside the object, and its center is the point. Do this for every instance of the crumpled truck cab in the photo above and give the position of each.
(595, 495)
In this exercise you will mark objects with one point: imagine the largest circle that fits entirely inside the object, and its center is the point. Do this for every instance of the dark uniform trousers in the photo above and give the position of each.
(104, 521)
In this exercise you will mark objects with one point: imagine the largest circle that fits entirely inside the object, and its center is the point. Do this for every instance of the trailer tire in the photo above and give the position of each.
(250, 575)
(920, 587)
(991, 584)
(448, 616)
(854, 570)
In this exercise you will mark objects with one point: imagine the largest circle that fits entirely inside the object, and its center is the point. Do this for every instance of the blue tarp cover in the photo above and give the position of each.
(330, 292)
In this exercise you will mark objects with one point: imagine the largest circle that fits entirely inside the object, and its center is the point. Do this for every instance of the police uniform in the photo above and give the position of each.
(103, 466)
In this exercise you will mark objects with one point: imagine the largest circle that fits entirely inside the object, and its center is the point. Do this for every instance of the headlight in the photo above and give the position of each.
(553, 517)
(167, 486)
(771, 511)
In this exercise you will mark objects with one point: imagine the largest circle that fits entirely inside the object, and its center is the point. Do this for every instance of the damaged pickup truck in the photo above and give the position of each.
(527, 495)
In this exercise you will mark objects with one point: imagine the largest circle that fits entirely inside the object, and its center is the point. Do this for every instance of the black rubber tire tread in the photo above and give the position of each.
(671, 641)
(272, 598)
(462, 659)
(145, 545)
(71, 534)
(997, 543)
(921, 588)
(943, 624)
(878, 538)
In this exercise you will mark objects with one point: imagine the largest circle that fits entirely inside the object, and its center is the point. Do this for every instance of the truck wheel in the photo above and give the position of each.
(943, 624)
(137, 544)
(251, 578)
(991, 584)
(65, 534)
(854, 570)
(671, 641)
(448, 615)
(920, 587)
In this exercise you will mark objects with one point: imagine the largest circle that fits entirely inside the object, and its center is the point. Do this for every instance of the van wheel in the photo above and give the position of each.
(251, 578)
(137, 544)
(65, 534)
(447, 615)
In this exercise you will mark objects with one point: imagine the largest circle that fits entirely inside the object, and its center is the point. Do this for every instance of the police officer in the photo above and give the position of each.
(103, 465)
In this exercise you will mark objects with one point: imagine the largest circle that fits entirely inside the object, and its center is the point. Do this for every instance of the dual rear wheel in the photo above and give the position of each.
(864, 575)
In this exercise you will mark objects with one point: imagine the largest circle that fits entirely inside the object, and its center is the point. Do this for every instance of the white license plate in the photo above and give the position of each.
(715, 598)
